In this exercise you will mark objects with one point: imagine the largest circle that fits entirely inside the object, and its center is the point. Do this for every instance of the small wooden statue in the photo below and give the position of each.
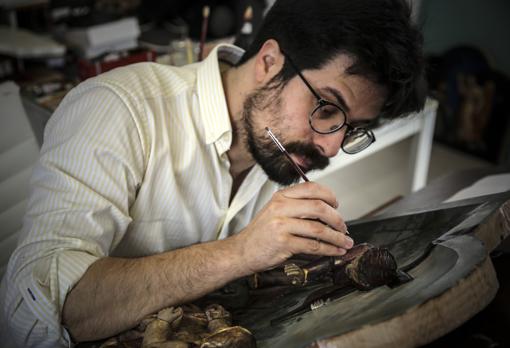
(364, 267)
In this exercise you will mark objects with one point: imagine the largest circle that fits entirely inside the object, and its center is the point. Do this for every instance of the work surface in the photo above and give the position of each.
(444, 249)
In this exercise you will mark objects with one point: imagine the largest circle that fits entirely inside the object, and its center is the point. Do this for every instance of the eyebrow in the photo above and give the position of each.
(365, 123)
(369, 123)
(338, 96)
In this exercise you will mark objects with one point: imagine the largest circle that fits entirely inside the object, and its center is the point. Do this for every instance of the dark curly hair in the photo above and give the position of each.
(378, 34)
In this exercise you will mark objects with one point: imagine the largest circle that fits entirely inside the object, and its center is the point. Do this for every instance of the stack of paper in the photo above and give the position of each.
(95, 40)
(488, 185)
(22, 43)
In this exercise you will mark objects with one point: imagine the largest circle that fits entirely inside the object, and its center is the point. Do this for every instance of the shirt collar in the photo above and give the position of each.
(211, 95)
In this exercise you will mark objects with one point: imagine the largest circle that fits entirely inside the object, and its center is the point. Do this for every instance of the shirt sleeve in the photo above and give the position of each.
(91, 164)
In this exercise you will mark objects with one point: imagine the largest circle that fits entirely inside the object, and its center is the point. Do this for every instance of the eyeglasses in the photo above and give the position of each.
(328, 117)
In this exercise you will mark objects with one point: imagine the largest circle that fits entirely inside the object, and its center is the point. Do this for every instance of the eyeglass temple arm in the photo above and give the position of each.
(301, 76)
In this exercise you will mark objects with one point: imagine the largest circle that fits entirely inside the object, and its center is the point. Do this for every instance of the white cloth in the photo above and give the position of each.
(134, 163)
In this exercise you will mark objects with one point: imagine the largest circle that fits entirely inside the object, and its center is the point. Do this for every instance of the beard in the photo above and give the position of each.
(264, 151)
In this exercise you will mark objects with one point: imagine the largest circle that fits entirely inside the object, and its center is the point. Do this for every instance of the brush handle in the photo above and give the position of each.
(282, 149)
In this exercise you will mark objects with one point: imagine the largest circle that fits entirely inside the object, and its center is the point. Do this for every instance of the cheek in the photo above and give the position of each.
(288, 113)
(296, 122)
(293, 116)
(293, 125)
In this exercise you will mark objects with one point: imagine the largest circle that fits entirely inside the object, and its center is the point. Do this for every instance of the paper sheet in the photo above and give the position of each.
(485, 186)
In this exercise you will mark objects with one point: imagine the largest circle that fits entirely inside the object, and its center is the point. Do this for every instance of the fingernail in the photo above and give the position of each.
(349, 240)
(347, 231)
(342, 251)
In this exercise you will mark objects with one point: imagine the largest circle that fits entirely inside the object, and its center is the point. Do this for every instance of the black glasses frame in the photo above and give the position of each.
(321, 102)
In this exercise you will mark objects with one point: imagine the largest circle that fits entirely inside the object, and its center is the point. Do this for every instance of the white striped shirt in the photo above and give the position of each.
(134, 163)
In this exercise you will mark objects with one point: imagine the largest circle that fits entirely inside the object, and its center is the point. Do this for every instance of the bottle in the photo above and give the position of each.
(245, 36)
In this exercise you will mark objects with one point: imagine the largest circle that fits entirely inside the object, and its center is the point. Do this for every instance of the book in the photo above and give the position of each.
(96, 51)
(98, 39)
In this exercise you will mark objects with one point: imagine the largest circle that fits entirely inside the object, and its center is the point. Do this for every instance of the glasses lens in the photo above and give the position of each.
(327, 118)
(357, 140)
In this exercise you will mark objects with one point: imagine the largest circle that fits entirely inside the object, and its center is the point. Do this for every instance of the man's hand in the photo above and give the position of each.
(298, 219)
(287, 225)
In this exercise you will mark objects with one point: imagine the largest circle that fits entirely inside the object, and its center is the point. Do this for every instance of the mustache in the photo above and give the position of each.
(314, 158)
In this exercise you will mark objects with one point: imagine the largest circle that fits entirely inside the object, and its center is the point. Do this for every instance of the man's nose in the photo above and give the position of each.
(329, 144)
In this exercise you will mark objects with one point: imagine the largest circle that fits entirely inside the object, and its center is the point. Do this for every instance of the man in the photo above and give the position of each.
(156, 184)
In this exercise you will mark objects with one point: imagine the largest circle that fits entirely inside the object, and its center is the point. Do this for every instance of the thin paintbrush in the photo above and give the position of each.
(294, 164)
(282, 149)
(203, 32)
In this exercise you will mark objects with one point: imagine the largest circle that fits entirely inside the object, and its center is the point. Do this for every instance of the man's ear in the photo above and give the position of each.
(268, 61)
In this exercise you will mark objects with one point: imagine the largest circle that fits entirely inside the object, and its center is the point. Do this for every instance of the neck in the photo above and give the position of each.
(237, 85)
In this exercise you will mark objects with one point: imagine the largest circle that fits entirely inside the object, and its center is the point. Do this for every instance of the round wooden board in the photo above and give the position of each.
(428, 321)
(495, 228)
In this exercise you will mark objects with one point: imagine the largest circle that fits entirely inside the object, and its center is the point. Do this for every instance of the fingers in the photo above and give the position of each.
(311, 190)
(315, 230)
(317, 210)
(310, 208)
(315, 247)
(298, 219)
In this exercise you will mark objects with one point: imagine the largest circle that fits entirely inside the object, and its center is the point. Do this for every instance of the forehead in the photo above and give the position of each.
(364, 98)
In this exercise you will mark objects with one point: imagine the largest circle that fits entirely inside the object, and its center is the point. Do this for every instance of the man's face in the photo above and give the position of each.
(286, 111)
(263, 149)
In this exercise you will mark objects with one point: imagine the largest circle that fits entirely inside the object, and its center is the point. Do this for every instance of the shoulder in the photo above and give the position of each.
(132, 88)
(146, 80)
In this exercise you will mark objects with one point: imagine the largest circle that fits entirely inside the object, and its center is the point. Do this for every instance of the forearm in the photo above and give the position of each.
(116, 293)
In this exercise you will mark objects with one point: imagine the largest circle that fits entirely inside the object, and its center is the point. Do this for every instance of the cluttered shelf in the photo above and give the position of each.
(47, 47)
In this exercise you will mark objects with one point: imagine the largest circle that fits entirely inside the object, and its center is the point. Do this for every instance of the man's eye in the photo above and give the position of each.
(328, 111)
